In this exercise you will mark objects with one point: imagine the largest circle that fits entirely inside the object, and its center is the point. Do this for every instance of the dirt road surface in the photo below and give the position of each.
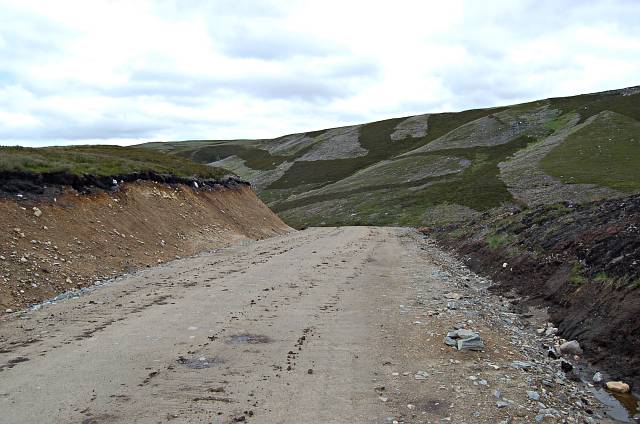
(326, 325)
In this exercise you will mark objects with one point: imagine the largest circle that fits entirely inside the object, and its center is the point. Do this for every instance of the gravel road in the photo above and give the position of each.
(326, 325)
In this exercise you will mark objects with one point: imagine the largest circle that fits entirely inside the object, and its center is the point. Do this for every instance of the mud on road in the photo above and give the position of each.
(329, 325)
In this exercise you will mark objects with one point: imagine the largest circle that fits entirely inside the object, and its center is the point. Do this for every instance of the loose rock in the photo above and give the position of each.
(570, 348)
(464, 339)
(597, 377)
(521, 365)
(618, 386)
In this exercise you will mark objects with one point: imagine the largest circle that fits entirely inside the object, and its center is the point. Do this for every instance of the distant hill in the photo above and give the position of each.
(441, 168)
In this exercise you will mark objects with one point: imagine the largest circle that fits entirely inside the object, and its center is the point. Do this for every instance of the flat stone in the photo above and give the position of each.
(521, 365)
(450, 342)
(465, 334)
(533, 395)
(471, 343)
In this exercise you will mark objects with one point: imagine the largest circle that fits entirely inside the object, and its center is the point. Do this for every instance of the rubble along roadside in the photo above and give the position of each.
(582, 262)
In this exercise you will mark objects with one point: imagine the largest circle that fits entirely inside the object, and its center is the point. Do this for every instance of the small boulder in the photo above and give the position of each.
(37, 212)
(597, 377)
(570, 348)
(471, 343)
(566, 366)
(464, 339)
(618, 386)
(533, 395)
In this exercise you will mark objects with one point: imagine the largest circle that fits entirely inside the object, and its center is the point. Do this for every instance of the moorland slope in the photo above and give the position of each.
(441, 168)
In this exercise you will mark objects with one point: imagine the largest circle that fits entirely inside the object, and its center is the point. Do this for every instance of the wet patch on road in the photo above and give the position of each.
(200, 362)
(248, 338)
(99, 419)
(13, 362)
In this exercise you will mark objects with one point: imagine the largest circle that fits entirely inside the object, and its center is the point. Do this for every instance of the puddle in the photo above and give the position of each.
(248, 338)
(619, 407)
(199, 362)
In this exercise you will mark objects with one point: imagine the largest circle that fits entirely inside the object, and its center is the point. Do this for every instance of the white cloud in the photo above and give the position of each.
(131, 71)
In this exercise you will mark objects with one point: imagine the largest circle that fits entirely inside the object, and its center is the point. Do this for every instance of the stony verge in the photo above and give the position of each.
(498, 359)
(580, 261)
(53, 238)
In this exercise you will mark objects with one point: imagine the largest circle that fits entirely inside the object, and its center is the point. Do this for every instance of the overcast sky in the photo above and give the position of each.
(133, 71)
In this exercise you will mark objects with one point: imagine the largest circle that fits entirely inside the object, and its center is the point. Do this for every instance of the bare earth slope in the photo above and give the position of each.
(72, 240)
(329, 325)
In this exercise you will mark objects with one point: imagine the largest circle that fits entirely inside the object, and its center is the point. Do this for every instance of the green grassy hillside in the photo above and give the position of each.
(606, 152)
(440, 168)
(101, 161)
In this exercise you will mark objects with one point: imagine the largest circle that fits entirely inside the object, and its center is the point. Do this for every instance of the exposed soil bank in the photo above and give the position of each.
(71, 240)
(38, 186)
(583, 262)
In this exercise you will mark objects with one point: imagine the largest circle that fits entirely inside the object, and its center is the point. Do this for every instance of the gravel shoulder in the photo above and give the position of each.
(326, 325)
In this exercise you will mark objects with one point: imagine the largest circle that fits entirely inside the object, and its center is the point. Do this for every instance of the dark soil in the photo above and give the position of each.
(580, 261)
(42, 186)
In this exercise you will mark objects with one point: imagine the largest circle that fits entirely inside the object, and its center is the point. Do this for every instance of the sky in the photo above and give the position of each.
(126, 72)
